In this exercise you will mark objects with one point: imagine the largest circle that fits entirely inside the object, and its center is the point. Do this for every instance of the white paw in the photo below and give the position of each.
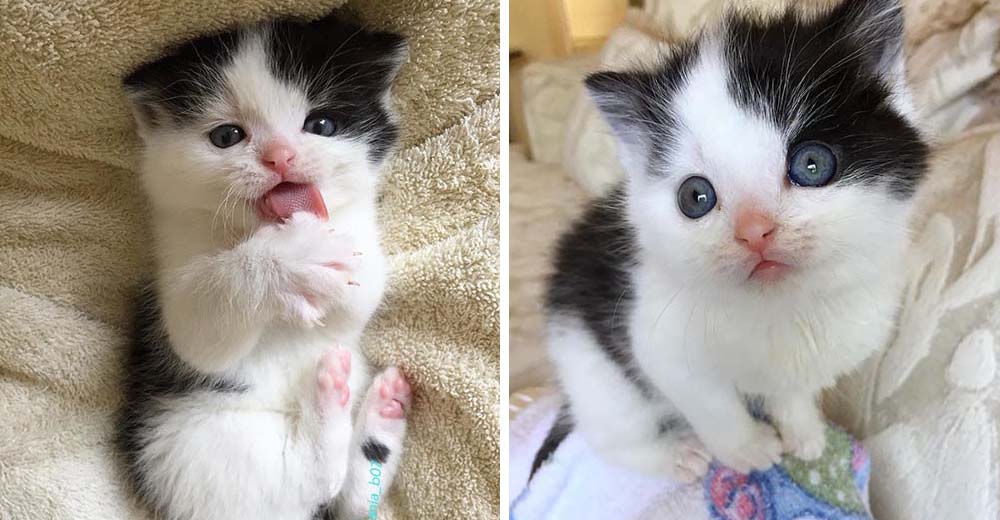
(757, 447)
(690, 460)
(806, 441)
(316, 267)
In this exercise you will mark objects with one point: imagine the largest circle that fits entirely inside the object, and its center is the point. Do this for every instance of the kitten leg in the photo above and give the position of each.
(333, 417)
(720, 418)
(377, 447)
(800, 423)
(220, 455)
(623, 426)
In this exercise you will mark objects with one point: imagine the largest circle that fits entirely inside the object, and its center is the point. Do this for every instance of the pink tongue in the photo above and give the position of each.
(288, 198)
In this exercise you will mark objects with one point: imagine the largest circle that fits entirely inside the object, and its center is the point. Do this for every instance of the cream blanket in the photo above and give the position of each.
(74, 246)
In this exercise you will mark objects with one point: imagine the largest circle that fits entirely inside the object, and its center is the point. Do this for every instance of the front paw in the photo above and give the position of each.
(804, 439)
(752, 447)
(315, 267)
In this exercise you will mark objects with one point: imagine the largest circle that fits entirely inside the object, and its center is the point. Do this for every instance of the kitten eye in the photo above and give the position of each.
(225, 136)
(812, 165)
(696, 197)
(320, 126)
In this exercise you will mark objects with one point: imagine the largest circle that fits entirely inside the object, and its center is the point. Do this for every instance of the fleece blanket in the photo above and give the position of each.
(74, 244)
(574, 482)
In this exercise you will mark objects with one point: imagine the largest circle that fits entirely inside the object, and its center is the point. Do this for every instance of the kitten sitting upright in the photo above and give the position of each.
(754, 252)
(247, 395)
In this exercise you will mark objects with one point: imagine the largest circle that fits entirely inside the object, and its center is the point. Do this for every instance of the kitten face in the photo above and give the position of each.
(226, 118)
(772, 152)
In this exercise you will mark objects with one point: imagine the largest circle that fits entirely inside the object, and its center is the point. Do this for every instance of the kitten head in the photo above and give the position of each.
(228, 118)
(770, 152)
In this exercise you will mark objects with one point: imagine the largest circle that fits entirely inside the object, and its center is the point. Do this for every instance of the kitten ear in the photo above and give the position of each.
(138, 91)
(393, 51)
(623, 99)
(876, 28)
(382, 53)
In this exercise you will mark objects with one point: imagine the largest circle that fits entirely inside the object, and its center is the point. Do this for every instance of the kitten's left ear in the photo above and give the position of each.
(876, 29)
(382, 53)
(394, 53)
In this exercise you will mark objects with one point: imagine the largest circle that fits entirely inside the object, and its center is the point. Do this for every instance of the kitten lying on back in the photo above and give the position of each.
(247, 393)
(754, 252)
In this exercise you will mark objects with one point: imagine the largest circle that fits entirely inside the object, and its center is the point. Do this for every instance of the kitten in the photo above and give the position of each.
(754, 253)
(247, 395)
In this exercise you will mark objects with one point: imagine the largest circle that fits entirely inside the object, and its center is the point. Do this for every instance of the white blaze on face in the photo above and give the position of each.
(740, 152)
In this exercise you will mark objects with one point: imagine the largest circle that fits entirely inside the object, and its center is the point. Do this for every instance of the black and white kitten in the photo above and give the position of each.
(247, 395)
(754, 253)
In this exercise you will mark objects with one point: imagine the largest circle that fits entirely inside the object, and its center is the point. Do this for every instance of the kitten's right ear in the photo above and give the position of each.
(627, 102)
(623, 99)
(138, 91)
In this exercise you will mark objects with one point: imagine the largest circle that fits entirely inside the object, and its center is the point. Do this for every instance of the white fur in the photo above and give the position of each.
(231, 291)
(704, 333)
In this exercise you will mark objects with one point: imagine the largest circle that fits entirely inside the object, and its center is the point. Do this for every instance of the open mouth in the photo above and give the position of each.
(769, 270)
(288, 198)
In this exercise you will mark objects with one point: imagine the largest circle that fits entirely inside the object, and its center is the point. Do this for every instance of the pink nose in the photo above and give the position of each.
(755, 230)
(278, 155)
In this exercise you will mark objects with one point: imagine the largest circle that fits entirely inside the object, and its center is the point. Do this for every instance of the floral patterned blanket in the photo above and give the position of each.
(575, 484)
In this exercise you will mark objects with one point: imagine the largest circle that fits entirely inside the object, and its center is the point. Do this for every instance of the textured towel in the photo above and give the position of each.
(74, 245)
(574, 483)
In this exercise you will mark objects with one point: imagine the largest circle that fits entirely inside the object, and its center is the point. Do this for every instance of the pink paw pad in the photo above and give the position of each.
(334, 368)
(394, 394)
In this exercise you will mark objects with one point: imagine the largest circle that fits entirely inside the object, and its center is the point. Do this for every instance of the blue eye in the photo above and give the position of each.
(320, 126)
(696, 197)
(225, 136)
(812, 165)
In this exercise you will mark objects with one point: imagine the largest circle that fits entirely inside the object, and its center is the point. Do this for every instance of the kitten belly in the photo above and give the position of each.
(283, 366)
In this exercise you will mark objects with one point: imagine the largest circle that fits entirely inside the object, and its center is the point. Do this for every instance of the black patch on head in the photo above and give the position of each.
(830, 79)
(592, 281)
(154, 376)
(345, 70)
(375, 450)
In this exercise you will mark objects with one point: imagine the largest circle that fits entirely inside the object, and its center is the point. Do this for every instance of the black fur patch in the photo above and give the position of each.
(375, 450)
(154, 375)
(592, 281)
(344, 70)
(557, 434)
(828, 79)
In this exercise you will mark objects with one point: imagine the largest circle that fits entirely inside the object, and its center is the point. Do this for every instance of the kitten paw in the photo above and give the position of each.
(317, 267)
(332, 388)
(391, 394)
(805, 441)
(756, 448)
(690, 460)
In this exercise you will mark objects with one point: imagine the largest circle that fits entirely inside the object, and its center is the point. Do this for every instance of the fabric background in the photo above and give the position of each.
(74, 244)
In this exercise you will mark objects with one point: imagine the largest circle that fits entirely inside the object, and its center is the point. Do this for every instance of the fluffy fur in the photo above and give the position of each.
(658, 332)
(247, 394)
